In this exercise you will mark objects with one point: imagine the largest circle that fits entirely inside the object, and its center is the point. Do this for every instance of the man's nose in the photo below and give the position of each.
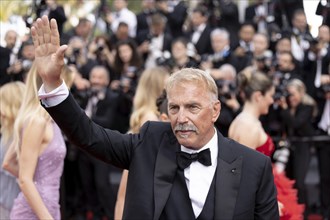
(182, 116)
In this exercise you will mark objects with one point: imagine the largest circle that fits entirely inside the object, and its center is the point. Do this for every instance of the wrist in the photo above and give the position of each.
(51, 85)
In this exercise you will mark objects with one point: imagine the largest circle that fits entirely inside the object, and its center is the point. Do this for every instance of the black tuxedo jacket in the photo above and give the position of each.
(244, 182)
(106, 110)
(4, 64)
(203, 45)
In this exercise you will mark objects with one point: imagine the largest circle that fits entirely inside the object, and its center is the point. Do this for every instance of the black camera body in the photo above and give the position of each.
(281, 81)
(226, 89)
(165, 60)
(326, 88)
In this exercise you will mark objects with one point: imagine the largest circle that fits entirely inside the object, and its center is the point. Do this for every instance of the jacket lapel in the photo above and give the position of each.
(228, 176)
(165, 171)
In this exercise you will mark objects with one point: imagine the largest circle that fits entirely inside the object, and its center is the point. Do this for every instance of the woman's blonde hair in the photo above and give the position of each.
(30, 107)
(150, 86)
(11, 95)
(306, 99)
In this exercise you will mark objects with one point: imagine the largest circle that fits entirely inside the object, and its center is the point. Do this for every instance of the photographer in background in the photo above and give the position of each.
(180, 57)
(8, 64)
(52, 10)
(243, 48)
(99, 50)
(222, 54)
(318, 84)
(281, 73)
(230, 106)
(298, 111)
(316, 64)
(101, 106)
(285, 70)
(300, 36)
(77, 60)
(22, 65)
(153, 43)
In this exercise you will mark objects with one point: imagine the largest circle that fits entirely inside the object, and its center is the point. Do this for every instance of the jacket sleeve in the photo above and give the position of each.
(105, 144)
(266, 199)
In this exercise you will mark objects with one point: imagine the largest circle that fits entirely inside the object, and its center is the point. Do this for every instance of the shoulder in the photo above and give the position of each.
(156, 129)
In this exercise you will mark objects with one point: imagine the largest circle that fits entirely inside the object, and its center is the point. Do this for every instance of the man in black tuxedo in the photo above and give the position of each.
(225, 180)
(154, 42)
(200, 33)
(100, 106)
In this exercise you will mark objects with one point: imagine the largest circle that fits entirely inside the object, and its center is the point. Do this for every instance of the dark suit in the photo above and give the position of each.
(4, 64)
(244, 185)
(300, 125)
(147, 35)
(203, 45)
(95, 173)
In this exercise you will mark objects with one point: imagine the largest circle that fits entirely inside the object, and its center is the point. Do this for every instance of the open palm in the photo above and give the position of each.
(49, 55)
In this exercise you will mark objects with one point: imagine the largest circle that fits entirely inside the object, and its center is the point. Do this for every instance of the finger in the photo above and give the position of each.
(55, 36)
(60, 53)
(34, 35)
(38, 26)
(46, 29)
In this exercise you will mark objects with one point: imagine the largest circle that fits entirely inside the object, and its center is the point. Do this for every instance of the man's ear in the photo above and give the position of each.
(216, 110)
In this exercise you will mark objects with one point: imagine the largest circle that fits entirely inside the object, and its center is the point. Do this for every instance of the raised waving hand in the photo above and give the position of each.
(49, 55)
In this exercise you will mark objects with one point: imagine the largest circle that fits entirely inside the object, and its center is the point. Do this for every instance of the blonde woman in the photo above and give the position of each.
(150, 86)
(298, 114)
(39, 148)
(10, 102)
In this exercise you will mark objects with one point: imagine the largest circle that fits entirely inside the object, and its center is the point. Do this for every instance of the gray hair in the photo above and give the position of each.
(192, 75)
(220, 31)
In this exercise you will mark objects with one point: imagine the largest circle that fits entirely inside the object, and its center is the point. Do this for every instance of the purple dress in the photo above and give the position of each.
(47, 180)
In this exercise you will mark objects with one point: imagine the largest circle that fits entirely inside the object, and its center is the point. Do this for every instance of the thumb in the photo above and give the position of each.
(61, 51)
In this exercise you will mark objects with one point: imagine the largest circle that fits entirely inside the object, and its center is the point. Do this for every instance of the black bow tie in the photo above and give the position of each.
(185, 159)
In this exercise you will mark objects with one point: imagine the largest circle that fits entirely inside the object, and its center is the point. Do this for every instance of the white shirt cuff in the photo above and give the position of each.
(54, 97)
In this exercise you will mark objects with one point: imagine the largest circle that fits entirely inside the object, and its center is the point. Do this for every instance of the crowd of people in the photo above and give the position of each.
(117, 67)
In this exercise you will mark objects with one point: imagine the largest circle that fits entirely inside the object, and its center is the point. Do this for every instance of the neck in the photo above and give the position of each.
(251, 109)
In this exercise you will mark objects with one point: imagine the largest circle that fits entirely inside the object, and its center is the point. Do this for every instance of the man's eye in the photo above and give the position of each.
(193, 108)
(173, 109)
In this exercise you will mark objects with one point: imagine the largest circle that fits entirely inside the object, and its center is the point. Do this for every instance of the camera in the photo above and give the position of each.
(75, 54)
(165, 59)
(281, 91)
(99, 49)
(281, 80)
(76, 51)
(326, 88)
(265, 61)
(26, 65)
(226, 89)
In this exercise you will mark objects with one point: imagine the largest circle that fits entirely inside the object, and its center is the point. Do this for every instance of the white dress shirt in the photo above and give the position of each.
(197, 33)
(199, 177)
(126, 16)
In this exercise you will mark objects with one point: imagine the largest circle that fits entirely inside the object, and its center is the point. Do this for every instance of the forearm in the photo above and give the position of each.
(84, 133)
(34, 199)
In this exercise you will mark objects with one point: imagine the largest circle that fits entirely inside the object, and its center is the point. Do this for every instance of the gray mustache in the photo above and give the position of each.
(185, 127)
